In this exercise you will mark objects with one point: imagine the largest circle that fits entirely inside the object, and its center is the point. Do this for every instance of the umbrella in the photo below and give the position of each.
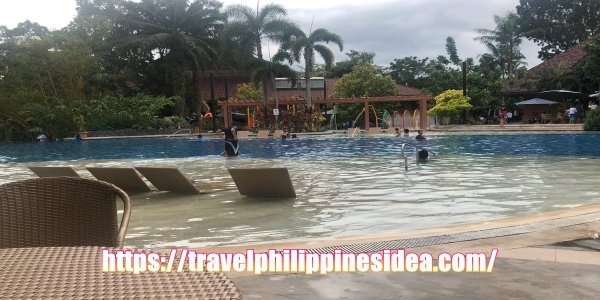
(536, 101)
(561, 94)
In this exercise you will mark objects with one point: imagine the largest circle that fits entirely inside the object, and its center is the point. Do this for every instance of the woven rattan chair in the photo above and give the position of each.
(60, 212)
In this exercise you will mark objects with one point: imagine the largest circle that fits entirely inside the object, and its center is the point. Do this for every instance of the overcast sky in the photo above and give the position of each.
(389, 28)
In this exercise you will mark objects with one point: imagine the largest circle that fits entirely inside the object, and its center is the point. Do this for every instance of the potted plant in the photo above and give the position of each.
(79, 121)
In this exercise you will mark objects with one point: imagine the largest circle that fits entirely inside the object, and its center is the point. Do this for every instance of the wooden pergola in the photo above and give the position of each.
(420, 99)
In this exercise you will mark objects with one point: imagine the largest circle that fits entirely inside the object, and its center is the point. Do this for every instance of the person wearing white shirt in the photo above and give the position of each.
(572, 114)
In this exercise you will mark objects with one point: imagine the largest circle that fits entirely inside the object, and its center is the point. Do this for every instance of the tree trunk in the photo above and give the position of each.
(307, 72)
(264, 83)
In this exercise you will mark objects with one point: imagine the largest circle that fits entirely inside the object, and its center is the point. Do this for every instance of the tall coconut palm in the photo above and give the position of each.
(251, 26)
(306, 46)
(181, 33)
(504, 41)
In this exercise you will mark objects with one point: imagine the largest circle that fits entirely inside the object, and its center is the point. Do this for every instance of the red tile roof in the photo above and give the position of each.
(563, 62)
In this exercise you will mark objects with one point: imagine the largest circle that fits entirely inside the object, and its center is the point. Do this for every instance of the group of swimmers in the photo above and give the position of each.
(232, 148)
(419, 136)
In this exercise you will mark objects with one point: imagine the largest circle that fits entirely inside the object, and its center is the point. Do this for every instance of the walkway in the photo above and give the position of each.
(533, 262)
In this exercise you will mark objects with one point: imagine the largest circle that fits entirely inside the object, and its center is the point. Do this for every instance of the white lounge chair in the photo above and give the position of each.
(354, 131)
(263, 182)
(125, 178)
(168, 179)
(263, 134)
(243, 134)
(53, 171)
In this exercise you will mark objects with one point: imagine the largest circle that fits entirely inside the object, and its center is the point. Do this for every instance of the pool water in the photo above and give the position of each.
(345, 186)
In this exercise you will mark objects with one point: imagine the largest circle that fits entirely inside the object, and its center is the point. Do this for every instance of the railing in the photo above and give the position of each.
(180, 130)
(406, 156)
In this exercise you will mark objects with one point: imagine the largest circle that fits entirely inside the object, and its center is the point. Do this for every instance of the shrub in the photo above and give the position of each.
(450, 103)
(592, 121)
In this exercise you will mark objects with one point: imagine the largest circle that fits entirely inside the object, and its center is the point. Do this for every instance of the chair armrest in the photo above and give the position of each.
(126, 215)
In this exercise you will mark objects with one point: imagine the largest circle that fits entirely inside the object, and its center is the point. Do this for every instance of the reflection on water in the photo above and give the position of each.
(343, 196)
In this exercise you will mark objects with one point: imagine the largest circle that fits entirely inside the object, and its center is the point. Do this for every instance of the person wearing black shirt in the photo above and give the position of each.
(229, 134)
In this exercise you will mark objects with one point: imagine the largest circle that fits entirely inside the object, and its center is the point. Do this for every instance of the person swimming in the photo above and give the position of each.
(420, 135)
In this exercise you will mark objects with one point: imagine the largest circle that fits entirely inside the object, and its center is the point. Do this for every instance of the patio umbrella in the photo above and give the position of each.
(536, 101)
(561, 94)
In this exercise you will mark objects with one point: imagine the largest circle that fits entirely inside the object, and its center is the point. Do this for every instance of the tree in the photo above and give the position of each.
(365, 81)
(450, 104)
(503, 42)
(306, 46)
(344, 67)
(409, 71)
(173, 36)
(589, 71)
(252, 27)
(557, 25)
(451, 50)
(248, 91)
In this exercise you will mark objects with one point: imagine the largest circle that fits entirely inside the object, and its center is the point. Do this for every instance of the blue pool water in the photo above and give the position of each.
(578, 144)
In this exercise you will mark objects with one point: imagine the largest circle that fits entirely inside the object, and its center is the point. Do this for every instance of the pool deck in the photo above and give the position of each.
(530, 264)
(508, 128)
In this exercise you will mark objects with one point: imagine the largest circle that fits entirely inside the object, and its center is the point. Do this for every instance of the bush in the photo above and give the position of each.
(450, 103)
(592, 121)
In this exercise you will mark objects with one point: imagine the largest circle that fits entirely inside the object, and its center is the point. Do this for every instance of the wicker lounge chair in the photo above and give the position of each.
(60, 212)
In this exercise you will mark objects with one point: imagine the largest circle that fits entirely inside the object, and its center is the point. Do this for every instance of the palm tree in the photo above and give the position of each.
(503, 42)
(251, 27)
(301, 45)
(180, 34)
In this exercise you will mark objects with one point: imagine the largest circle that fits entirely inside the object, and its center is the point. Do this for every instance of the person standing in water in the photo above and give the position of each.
(232, 148)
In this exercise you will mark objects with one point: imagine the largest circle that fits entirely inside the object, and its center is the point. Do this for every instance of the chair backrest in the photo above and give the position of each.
(263, 134)
(353, 131)
(278, 133)
(60, 212)
(374, 130)
(168, 179)
(243, 134)
(263, 182)
(126, 179)
(53, 171)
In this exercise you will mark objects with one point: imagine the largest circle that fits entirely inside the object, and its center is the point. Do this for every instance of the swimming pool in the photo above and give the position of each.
(345, 186)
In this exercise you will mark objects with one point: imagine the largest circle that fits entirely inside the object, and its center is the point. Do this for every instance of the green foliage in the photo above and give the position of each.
(302, 45)
(450, 104)
(344, 67)
(365, 81)
(590, 70)
(451, 50)
(139, 112)
(592, 121)
(503, 43)
(248, 91)
(410, 71)
(557, 25)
